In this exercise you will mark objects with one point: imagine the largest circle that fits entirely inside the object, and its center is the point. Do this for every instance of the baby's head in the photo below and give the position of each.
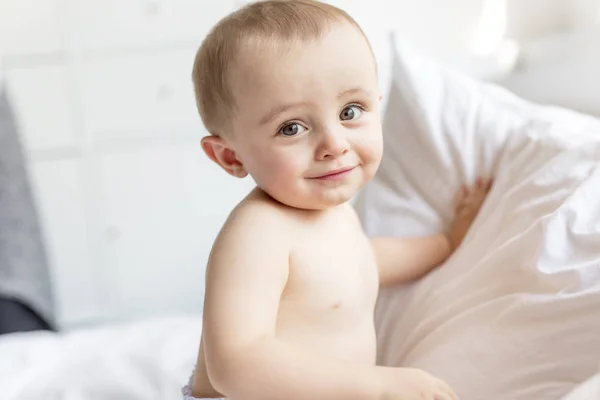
(289, 92)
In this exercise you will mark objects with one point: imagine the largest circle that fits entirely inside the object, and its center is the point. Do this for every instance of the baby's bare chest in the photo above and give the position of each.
(329, 299)
(333, 270)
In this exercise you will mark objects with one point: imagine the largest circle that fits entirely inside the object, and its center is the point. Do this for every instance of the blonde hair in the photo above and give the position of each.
(270, 22)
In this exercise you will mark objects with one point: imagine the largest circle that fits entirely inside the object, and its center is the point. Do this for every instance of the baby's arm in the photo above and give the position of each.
(245, 360)
(405, 259)
(202, 388)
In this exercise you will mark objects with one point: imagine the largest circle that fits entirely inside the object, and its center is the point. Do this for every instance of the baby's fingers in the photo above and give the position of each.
(484, 184)
(446, 393)
(461, 195)
(480, 182)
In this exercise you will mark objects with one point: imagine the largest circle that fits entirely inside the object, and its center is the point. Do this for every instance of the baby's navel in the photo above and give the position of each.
(335, 305)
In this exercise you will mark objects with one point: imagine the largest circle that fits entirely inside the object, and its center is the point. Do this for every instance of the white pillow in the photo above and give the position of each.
(589, 390)
(515, 313)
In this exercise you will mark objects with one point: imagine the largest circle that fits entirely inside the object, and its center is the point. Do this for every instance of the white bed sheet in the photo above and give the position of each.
(137, 361)
(589, 390)
(143, 360)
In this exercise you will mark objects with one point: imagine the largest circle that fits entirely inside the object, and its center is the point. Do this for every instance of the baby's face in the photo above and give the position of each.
(308, 129)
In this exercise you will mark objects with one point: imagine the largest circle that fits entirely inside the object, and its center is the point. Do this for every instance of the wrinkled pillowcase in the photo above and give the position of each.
(514, 314)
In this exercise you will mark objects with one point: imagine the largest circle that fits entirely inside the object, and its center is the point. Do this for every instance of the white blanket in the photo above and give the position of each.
(589, 390)
(137, 361)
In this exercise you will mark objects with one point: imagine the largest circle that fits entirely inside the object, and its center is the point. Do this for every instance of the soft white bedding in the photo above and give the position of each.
(515, 313)
(137, 361)
(588, 390)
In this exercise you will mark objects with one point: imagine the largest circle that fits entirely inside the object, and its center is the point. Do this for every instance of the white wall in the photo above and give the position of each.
(103, 95)
(531, 19)
(560, 53)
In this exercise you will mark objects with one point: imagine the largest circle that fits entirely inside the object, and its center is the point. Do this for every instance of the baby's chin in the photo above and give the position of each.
(315, 201)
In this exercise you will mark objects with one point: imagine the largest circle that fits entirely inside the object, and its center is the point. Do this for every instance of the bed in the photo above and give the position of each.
(142, 360)
(513, 315)
(134, 361)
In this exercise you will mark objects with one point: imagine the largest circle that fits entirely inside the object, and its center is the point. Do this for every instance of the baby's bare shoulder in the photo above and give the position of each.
(258, 214)
(254, 222)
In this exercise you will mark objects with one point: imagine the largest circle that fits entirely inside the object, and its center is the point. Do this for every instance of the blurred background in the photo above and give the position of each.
(99, 102)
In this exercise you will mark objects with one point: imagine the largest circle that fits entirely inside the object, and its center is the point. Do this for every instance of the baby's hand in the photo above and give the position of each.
(468, 202)
(414, 384)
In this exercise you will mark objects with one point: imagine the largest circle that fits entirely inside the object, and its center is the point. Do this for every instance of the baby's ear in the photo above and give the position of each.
(221, 153)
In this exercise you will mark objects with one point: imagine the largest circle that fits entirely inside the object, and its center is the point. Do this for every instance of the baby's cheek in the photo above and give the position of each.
(371, 149)
(282, 169)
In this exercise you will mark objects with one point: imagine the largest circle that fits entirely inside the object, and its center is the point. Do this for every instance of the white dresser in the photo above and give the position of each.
(103, 96)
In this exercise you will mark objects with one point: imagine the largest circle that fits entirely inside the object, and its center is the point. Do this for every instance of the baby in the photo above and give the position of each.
(289, 92)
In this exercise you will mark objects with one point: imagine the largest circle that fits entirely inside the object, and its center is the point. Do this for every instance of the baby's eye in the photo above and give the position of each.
(292, 129)
(351, 112)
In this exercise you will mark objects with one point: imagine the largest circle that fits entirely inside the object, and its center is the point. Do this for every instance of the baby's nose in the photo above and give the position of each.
(333, 144)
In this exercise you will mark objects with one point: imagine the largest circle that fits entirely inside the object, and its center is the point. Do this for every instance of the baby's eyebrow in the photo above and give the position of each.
(353, 91)
(276, 111)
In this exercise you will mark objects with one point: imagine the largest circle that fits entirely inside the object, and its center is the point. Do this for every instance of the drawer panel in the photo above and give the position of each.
(145, 95)
(28, 27)
(109, 24)
(42, 103)
(59, 191)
